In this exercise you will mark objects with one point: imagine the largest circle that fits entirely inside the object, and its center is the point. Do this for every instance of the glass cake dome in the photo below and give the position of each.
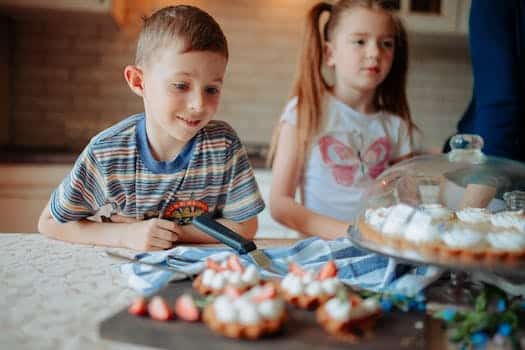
(457, 209)
(464, 177)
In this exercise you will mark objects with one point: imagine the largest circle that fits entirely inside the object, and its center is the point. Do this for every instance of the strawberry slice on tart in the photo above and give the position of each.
(306, 289)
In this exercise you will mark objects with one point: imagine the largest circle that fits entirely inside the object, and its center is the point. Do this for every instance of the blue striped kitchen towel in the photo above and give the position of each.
(356, 267)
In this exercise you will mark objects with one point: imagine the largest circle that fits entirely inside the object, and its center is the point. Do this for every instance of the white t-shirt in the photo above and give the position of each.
(351, 150)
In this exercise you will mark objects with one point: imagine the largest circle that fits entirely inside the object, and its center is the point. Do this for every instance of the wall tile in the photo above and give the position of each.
(74, 69)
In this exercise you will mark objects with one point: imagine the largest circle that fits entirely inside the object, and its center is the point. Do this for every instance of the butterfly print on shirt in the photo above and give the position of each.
(346, 163)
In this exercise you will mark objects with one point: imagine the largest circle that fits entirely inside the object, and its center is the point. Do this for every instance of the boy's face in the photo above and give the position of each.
(181, 93)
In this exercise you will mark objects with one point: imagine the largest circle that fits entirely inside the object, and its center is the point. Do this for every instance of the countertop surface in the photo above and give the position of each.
(54, 294)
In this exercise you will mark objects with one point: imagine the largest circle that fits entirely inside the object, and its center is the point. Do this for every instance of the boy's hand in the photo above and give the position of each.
(152, 234)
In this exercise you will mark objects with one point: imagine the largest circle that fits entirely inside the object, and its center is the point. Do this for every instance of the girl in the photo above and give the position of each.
(333, 140)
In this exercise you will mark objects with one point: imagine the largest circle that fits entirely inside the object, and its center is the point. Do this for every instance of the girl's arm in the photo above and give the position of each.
(285, 178)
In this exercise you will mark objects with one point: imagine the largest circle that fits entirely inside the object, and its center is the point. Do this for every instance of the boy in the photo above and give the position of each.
(159, 169)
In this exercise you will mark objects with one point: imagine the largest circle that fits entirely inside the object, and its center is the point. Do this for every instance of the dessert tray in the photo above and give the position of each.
(393, 330)
(456, 263)
(463, 211)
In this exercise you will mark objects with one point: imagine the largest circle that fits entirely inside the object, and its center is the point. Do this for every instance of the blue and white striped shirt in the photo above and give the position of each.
(211, 174)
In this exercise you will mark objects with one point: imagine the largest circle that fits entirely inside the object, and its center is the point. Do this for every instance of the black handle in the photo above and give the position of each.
(208, 225)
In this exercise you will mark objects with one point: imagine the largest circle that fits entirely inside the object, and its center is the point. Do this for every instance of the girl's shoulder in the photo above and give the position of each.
(290, 111)
(291, 104)
(398, 128)
(391, 120)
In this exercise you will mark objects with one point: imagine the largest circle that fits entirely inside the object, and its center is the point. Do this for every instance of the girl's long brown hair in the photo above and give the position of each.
(310, 85)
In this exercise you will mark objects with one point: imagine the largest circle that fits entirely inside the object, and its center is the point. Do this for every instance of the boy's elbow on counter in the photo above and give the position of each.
(45, 226)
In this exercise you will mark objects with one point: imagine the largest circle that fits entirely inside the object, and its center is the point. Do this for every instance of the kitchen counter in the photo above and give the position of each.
(54, 294)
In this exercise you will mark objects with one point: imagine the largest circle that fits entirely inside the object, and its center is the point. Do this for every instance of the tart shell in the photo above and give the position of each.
(240, 331)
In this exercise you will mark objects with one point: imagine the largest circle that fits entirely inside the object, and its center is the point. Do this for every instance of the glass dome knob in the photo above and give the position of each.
(466, 148)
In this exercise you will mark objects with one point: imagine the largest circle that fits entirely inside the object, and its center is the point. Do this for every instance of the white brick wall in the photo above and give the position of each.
(4, 82)
(67, 74)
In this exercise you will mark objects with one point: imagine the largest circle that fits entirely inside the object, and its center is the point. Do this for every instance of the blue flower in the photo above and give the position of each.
(421, 306)
(448, 314)
(505, 329)
(412, 305)
(386, 304)
(420, 297)
(479, 339)
(502, 305)
(399, 297)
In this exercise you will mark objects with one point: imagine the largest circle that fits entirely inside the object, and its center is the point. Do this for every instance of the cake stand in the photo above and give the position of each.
(459, 287)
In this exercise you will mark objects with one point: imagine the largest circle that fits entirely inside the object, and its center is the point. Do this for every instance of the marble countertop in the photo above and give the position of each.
(54, 294)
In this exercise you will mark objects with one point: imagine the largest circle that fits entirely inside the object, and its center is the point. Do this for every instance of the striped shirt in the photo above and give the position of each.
(211, 174)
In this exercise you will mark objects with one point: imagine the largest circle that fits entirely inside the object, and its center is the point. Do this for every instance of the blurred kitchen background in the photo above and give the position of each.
(61, 70)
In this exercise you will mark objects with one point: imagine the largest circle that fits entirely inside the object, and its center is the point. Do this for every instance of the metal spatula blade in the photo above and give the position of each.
(265, 262)
(241, 245)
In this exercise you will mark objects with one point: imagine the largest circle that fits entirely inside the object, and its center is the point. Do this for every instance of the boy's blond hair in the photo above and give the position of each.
(188, 26)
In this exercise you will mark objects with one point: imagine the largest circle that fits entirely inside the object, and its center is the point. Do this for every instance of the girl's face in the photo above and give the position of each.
(361, 49)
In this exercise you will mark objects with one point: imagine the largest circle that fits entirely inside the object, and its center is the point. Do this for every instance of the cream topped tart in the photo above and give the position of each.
(438, 212)
(474, 215)
(397, 220)
(431, 229)
(376, 217)
(421, 228)
(390, 222)
(217, 276)
(509, 220)
(306, 289)
(507, 240)
(463, 238)
(347, 315)
(251, 315)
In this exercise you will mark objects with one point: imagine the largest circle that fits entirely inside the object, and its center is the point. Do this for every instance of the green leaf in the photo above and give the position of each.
(457, 335)
(515, 342)
(481, 301)
(510, 318)
(485, 317)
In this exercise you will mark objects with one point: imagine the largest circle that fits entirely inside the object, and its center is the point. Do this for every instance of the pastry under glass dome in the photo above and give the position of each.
(462, 210)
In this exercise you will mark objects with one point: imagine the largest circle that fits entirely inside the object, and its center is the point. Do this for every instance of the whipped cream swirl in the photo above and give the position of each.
(244, 310)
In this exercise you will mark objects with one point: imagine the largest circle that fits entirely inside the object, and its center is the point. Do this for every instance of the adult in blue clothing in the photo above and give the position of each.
(497, 44)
